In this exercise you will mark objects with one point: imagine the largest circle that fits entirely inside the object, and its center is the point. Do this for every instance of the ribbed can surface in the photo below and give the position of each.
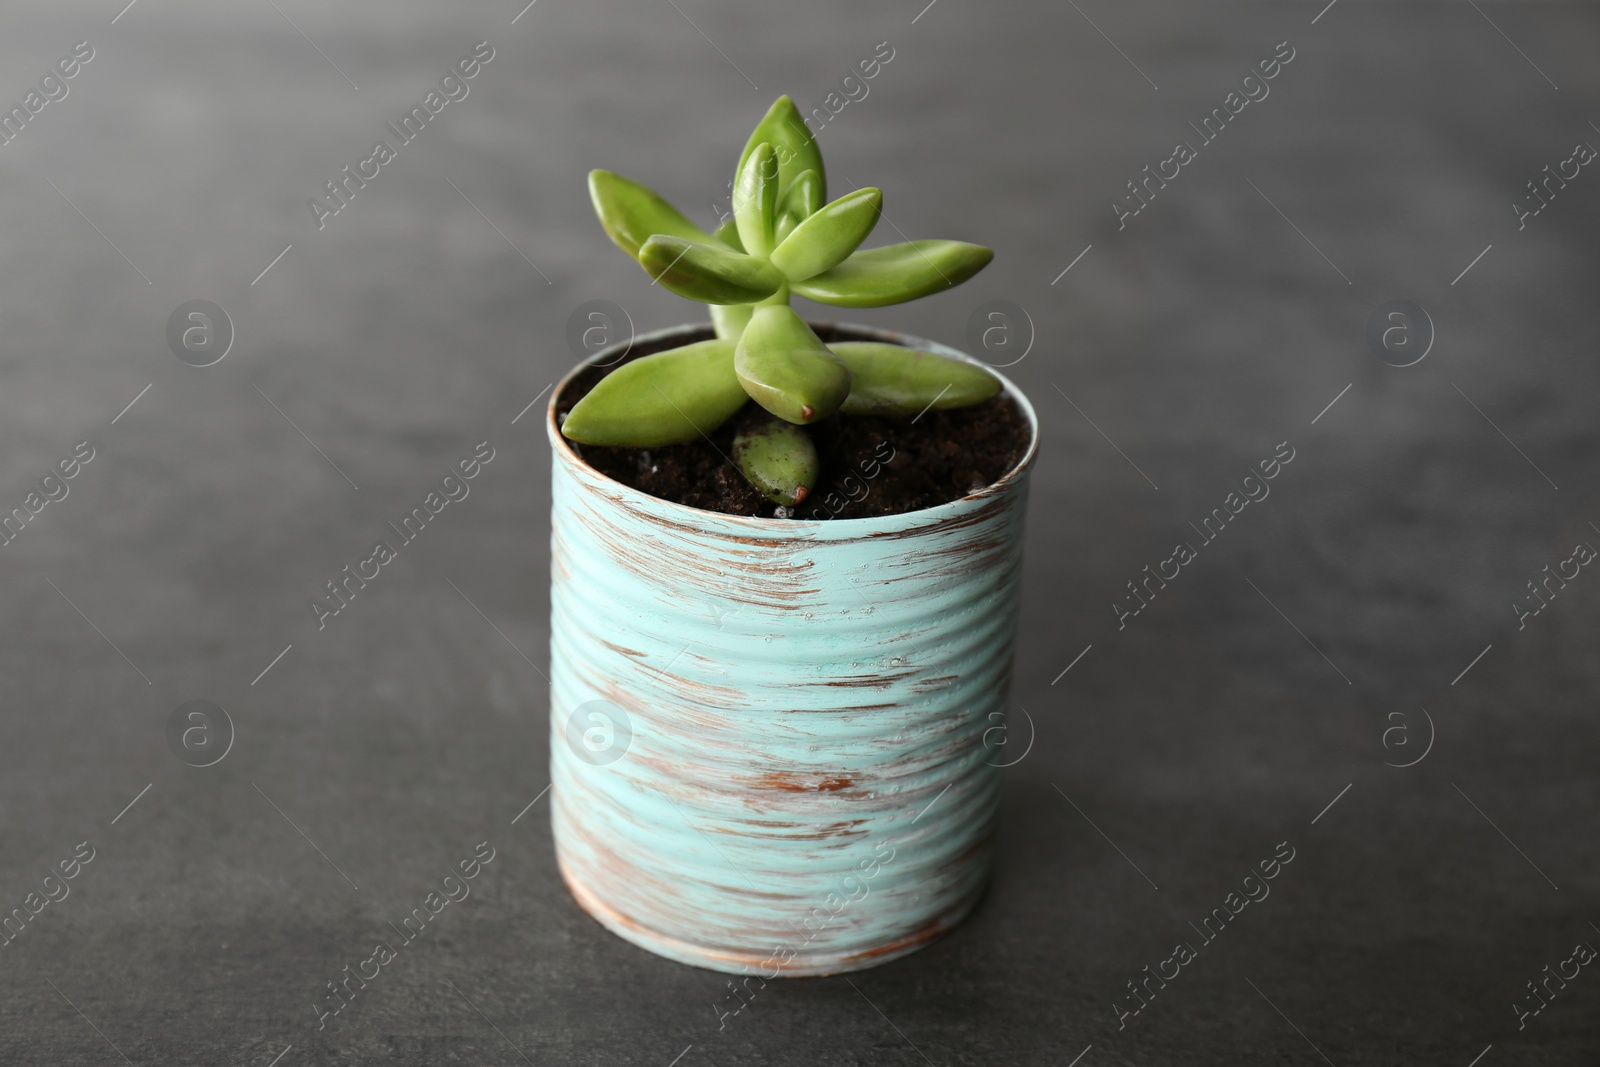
(766, 736)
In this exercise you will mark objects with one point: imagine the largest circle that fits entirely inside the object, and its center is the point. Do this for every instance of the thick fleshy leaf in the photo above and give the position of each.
(804, 196)
(631, 212)
(786, 131)
(896, 273)
(730, 319)
(895, 380)
(755, 201)
(787, 221)
(664, 399)
(829, 235)
(780, 460)
(709, 273)
(786, 369)
(728, 234)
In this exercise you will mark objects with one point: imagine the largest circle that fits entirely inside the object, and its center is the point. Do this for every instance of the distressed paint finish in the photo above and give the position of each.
(799, 693)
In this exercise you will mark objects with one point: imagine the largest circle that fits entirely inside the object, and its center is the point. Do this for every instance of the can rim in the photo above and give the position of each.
(638, 501)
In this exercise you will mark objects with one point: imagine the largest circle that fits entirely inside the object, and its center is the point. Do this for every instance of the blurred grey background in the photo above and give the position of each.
(1362, 615)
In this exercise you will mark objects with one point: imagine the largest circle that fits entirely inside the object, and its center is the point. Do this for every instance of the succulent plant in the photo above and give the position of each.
(785, 238)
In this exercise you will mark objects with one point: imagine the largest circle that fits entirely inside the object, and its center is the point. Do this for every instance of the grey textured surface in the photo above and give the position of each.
(1197, 338)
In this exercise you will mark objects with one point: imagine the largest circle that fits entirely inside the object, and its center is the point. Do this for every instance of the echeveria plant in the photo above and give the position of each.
(785, 238)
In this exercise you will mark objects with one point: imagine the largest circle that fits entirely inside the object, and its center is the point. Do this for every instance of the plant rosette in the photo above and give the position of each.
(784, 239)
(767, 734)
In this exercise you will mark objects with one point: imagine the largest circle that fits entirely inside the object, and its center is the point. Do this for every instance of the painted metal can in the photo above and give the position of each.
(767, 735)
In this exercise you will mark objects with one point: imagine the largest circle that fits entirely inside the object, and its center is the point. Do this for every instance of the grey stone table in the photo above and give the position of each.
(1343, 675)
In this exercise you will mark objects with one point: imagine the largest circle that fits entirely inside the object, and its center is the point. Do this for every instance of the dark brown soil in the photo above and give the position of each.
(871, 465)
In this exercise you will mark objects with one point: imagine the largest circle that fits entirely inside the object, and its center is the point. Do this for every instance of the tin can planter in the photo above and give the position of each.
(767, 735)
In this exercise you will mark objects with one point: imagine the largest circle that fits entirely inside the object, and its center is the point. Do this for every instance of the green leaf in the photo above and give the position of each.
(755, 201)
(896, 273)
(709, 273)
(730, 319)
(787, 221)
(895, 380)
(664, 399)
(829, 235)
(786, 369)
(786, 131)
(780, 460)
(804, 197)
(728, 234)
(631, 212)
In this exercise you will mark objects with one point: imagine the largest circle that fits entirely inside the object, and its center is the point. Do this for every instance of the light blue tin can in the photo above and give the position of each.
(767, 735)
